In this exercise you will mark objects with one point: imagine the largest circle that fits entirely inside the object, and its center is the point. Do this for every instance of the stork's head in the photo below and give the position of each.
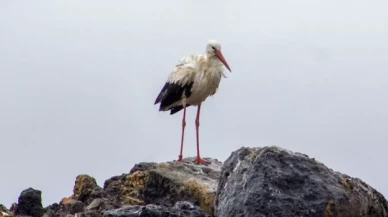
(213, 48)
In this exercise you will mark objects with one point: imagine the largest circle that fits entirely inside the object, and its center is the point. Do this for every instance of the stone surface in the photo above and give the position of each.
(166, 183)
(30, 203)
(4, 212)
(86, 189)
(161, 184)
(181, 209)
(89, 214)
(97, 204)
(49, 213)
(271, 182)
(75, 206)
(257, 182)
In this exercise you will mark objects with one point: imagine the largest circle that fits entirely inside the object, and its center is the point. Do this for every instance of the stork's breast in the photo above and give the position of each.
(207, 83)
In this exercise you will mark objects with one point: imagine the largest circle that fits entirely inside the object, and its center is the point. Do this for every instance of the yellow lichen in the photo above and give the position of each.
(201, 195)
(329, 207)
(83, 183)
(127, 200)
(4, 214)
(132, 186)
(137, 179)
(347, 184)
(128, 191)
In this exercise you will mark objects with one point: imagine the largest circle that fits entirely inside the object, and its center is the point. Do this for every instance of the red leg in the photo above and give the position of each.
(183, 132)
(199, 160)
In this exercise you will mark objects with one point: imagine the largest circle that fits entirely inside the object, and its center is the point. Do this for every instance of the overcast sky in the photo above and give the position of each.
(78, 80)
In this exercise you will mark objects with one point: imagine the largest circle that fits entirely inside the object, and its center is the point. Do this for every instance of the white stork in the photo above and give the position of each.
(192, 80)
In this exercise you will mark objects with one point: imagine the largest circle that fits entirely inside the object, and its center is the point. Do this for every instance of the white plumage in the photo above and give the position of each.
(191, 81)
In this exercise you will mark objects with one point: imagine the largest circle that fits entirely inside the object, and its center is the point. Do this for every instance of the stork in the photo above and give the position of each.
(191, 81)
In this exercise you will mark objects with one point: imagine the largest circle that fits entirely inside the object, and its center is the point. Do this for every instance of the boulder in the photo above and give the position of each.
(167, 183)
(30, 203)
(75, 206)
(85, 190)
(272, 182)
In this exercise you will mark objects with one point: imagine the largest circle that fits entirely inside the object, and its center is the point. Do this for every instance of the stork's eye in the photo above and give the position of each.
(213, 48)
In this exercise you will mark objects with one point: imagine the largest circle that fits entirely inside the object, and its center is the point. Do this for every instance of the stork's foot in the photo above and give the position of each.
(180, 158)
(201, 161)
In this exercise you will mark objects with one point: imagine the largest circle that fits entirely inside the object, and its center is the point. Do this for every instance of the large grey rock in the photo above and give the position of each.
(30, 203)
(181, 209)
(273, 182)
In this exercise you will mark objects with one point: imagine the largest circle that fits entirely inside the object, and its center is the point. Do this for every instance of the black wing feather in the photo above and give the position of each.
(171, 93)
(176, 109)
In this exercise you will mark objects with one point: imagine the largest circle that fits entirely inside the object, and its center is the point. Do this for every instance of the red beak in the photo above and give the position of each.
(221, 57)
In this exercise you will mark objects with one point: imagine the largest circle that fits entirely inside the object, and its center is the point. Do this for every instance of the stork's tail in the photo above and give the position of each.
(176, 109)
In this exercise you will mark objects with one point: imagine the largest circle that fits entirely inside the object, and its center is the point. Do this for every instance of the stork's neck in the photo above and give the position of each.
(213, 61)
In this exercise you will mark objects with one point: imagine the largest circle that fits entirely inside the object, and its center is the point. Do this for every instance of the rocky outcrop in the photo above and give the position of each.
(273, 182)
(29, 203)
(257, 182)
(170, 188)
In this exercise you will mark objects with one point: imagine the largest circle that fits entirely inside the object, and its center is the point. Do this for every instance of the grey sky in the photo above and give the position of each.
(78, 80)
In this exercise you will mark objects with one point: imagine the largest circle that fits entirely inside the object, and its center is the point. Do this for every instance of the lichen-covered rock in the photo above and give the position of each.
(161, 184)
(4, 212)
(85, 192)
(272, 182)
(181, 209)
(30, 203)
(166, 183)
(86, 189)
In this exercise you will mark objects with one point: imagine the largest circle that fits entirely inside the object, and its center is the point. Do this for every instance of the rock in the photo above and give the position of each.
(30, 203)
(85, 190)
(13, 207)
(257, 182)
(188, 209)
(85, 187)
(181, 209)
(167, 183)
(75, 206)
(49, 213)
(89, 214)
(273, 182)
(97, 204)
(4, 211)
(160, 184)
